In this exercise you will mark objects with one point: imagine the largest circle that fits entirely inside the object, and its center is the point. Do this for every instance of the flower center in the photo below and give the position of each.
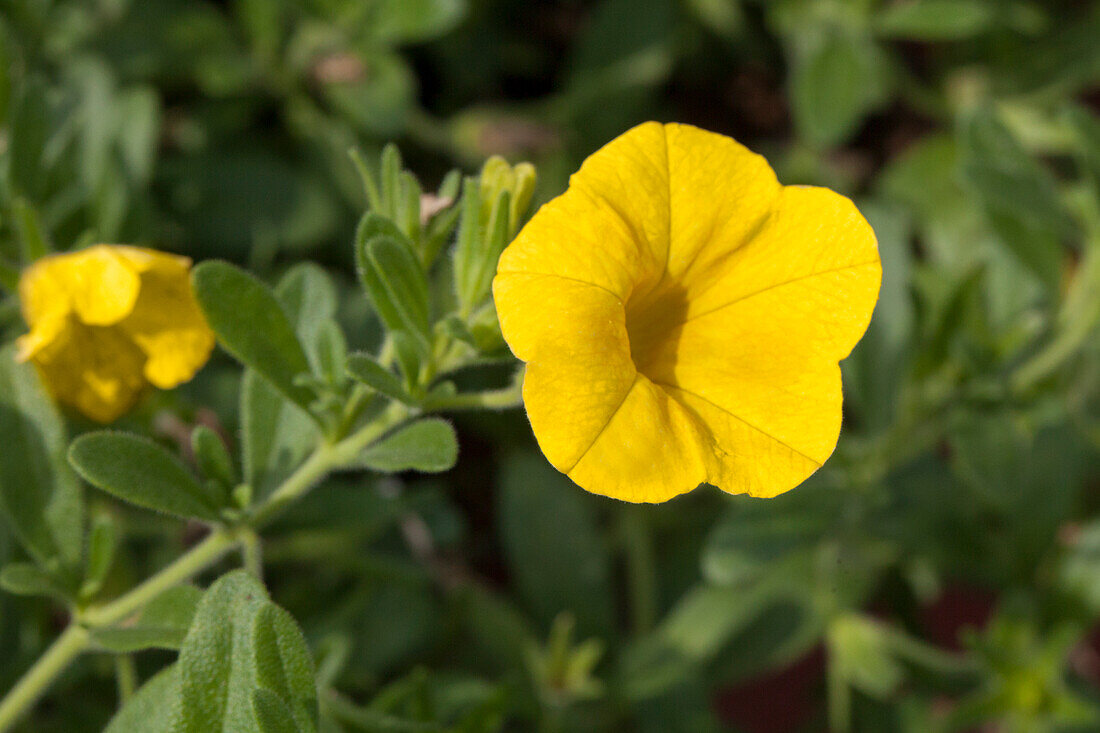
(652, 322)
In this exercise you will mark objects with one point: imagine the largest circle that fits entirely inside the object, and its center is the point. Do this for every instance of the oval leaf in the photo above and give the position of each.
(139, 471)
(395, 282)
(365, 369)
(429, 446)
(252, 326)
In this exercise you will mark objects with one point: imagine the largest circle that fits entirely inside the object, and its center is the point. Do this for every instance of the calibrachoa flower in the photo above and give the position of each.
(682, 316)
(106, 321)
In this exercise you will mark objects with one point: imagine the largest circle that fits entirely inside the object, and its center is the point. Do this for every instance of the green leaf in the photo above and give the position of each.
(32, 238)
(252, 326)
(1086, 128)
(837, 78)
(557, 566)
(102, 544)
(1020, 195)
(724, 17)
(27, 579)
(330, 348)
(936, 20)
(365, 369)
(141, 472)
(746, 543)
(276, 434)
(693, 631)
(860, 653)
(283, 663)
(309, 299)
(626, 46)
(27, 134)
(40, 496)
(212, 457)
(378, 99)
(405, 21)
(216, 668)
(271, 714)
(501, 632)
(396, 283)
(428, 446)
(152, 709)
(240, 642)
(162, 624)
(479, 246)
(468, 242)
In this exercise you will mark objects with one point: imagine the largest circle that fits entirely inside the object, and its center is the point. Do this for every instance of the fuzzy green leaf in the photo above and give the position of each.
(162, 624)
(837, 78)
(40, 496)
(152, 709)
(27, 579)
(141, 472)
(102, 543)
(272, 714)
(283, 663)
(212, 457)
(936, 20)
(252, 326)
(309, 299)
(396, 283)
(365, 369)
(239, 643)
(428, 446)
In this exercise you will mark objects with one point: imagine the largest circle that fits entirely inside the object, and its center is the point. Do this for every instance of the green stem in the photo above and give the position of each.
(641, 569)
(198, 558)
(30, 687)
(324, 460)
(252, 553)
(496, 399)
(126, 675)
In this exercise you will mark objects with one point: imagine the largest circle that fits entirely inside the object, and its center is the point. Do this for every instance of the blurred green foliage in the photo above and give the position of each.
(941, 572)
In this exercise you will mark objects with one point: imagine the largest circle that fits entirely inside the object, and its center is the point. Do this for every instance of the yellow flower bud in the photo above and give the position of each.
(108, 320)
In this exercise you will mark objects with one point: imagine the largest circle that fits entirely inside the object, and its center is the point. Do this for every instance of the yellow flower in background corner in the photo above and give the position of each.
(108, 320)
(683, 315)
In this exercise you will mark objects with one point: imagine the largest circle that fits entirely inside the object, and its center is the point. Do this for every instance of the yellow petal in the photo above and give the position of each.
(756, 357)
(579, 368)
(48, 329)
(651, 449)
(96, 284)
(813, 268)
(719, 195)
(95, 369)
(166, 322)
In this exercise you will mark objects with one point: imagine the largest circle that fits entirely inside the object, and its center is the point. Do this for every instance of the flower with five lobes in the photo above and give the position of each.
(108, 320)
(683, 315)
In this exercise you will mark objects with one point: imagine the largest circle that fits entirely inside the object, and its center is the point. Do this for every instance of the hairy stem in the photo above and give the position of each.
(38, 678)
(198, 558)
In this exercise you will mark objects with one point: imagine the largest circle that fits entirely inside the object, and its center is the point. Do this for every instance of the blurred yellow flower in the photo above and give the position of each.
(682, 316)
(107, 320)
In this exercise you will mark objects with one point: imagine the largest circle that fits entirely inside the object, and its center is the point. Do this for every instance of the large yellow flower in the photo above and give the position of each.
(682, 316)
(106, 321)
